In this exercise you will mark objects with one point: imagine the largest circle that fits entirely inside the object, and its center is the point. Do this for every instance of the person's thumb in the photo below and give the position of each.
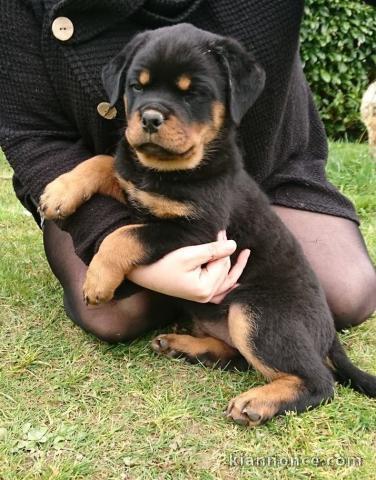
(197, 255)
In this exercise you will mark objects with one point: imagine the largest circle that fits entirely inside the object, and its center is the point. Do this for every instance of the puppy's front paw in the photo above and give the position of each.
(61, 198)
(96, 290)
(118, 254)
(94, 293)
(102, 279)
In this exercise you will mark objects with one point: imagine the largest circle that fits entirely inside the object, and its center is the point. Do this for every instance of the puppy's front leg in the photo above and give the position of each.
(119, 252)
(126, 248)
(66, 193)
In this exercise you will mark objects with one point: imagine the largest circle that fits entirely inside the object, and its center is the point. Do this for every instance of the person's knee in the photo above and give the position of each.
(109, 330)
(353, 300)
(115, 322)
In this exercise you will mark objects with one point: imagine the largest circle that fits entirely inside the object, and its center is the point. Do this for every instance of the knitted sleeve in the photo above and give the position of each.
(38, 139)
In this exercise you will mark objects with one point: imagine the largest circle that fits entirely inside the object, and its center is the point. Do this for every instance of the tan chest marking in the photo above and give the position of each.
(158, 205)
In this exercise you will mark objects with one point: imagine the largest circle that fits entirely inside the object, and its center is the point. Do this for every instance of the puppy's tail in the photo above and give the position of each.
(347, 373)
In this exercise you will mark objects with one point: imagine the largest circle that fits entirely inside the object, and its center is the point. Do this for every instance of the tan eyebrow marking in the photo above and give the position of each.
(144, 77)
(184, 82)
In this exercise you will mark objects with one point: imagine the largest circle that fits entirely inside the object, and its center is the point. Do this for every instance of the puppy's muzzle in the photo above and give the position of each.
(152, 120)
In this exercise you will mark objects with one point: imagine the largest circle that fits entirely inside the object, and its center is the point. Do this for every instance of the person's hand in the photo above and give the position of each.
(201, 273)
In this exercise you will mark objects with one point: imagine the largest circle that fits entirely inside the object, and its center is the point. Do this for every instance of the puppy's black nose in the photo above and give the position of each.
(152, 120)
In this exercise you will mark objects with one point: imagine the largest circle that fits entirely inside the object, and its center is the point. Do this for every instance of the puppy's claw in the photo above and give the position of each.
(163, 344)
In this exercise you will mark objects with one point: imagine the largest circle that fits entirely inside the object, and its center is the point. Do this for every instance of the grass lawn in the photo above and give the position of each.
(74, 408)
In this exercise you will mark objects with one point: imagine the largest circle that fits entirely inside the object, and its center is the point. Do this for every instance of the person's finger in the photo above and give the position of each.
(213, 275)
(238, 267)
(234, 274)
(218, 298)
(216, 269)
(221, 235)
(208, 252)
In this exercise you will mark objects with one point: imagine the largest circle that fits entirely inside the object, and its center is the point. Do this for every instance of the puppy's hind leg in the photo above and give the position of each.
(209, 351)
(298, 376)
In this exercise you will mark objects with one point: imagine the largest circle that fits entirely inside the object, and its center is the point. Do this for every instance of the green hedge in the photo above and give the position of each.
(339, 56)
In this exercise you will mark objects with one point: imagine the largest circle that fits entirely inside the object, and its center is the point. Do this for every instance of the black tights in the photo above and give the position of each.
(333, 245)
(115, 321)
(337, 253)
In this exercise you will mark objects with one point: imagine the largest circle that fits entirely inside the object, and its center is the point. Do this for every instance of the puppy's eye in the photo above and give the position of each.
(137, 87)
(189, 96)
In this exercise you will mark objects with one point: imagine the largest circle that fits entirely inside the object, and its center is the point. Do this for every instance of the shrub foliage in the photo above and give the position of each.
(338, 49)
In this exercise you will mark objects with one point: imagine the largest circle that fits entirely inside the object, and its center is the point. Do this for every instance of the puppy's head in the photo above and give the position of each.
(180, 86)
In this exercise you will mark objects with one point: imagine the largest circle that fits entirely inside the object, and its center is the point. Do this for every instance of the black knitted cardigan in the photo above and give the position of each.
(49, 92)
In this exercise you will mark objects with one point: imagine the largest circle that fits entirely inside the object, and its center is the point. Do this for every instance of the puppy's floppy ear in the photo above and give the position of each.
(114, 72)
(245, 77)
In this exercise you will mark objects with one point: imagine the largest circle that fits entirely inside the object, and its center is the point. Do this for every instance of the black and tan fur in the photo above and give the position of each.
(180, 172)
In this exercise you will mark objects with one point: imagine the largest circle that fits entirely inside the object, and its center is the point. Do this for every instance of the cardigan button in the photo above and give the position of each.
(106, 110)
(62, 28)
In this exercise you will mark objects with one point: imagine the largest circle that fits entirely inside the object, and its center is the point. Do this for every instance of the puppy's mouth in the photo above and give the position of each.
(152, 149)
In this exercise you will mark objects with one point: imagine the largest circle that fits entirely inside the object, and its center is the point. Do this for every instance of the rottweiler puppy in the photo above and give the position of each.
(180, 172)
